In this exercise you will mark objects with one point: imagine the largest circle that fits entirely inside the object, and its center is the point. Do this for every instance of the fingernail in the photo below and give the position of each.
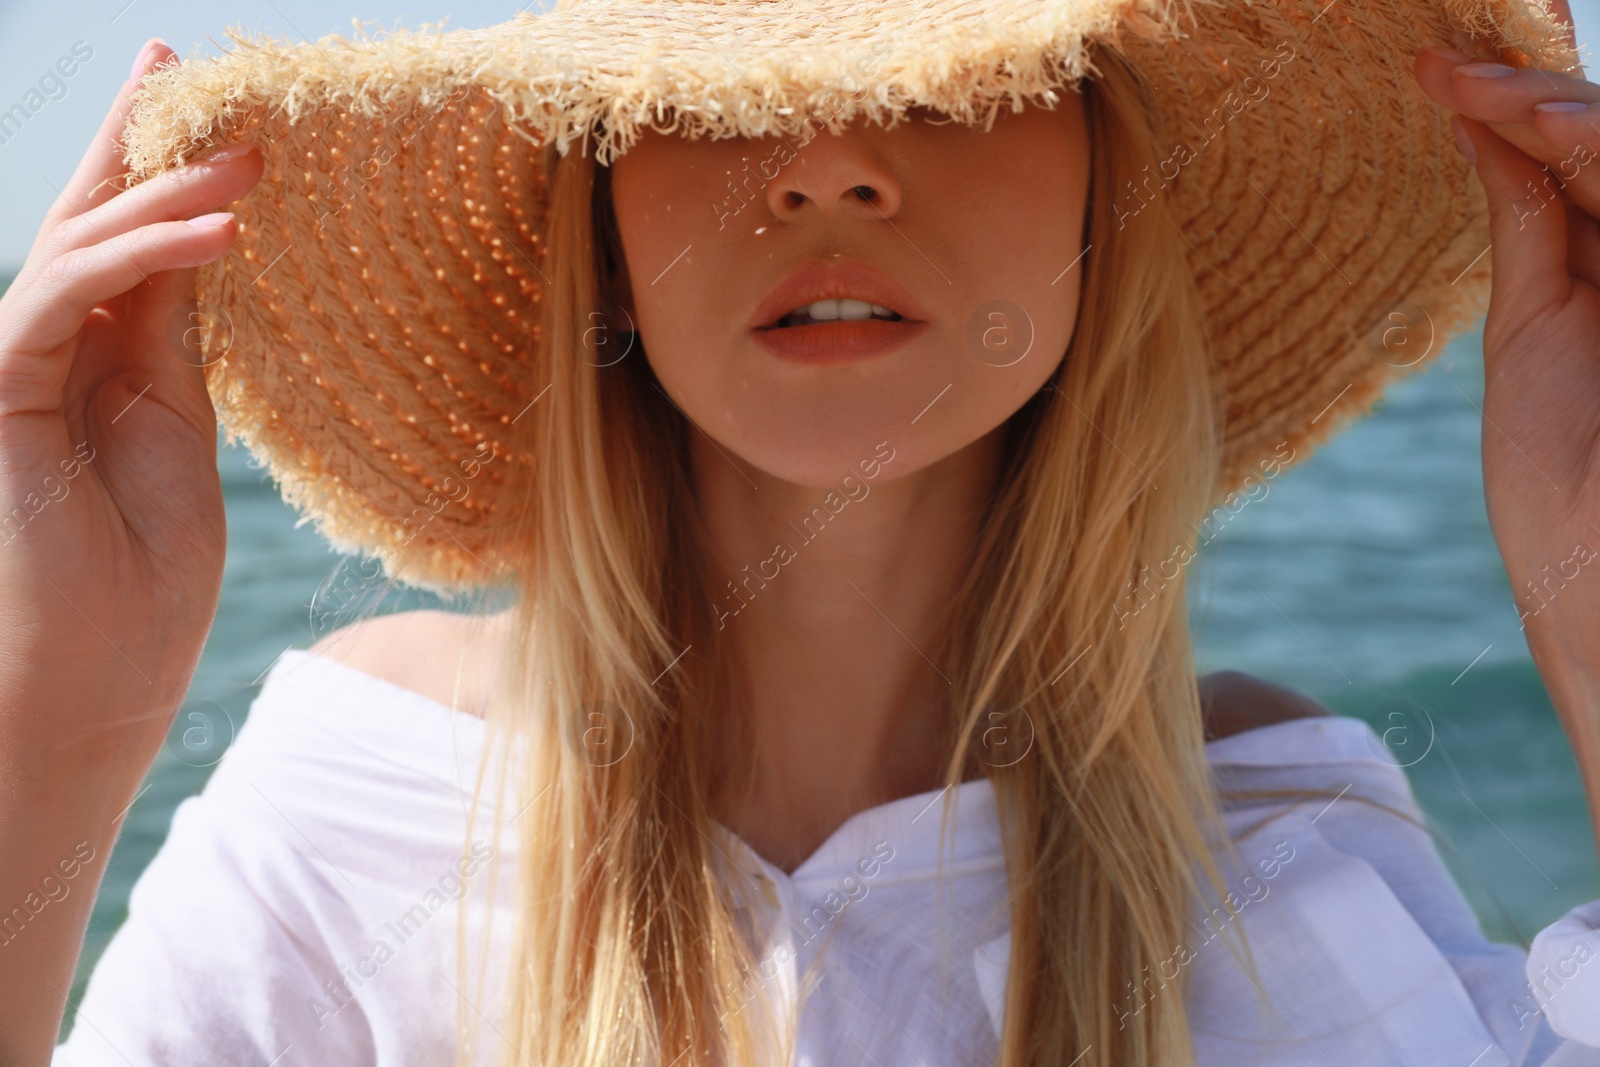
(139, 60)
(227, 152)
(1486, 70)
(1447, 53)
(1560, 105)
(211, 221)
(1463, 141)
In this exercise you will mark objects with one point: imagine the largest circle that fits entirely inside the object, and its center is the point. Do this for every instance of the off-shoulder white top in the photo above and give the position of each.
(302, 913)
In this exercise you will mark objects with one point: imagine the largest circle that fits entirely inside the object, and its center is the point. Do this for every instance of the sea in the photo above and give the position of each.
(1365, 576)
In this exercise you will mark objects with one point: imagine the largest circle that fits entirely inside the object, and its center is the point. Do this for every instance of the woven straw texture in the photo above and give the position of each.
(372, 328)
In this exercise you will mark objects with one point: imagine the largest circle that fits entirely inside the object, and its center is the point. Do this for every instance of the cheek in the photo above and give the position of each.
(1022, 278)
(666, 242)
(1022, 238)
(680, 248)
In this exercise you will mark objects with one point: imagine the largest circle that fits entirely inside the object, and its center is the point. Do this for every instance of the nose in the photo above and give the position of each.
(837, 175)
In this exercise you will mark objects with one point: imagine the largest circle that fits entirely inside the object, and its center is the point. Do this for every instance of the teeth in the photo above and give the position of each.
(824, 311)
(835, 309)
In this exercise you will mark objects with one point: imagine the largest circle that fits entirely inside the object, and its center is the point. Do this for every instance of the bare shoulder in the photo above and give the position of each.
(1232, 702)
(423, 651)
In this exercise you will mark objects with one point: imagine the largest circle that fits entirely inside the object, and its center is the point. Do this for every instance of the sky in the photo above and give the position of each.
(97, 41)
(38, 158)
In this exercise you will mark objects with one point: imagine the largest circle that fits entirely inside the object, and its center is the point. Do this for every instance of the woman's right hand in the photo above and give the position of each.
(112, 538)
(112, 532)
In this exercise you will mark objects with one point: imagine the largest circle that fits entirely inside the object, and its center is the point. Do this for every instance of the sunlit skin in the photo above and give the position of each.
(1541, 356)
(959, 217)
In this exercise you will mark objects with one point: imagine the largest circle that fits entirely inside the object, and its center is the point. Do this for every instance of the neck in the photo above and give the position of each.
(834, 617)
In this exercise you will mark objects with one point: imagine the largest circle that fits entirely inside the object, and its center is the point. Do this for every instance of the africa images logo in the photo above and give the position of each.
(1255, 91)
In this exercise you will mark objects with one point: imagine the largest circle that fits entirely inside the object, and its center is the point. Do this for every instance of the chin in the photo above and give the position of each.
(796, 454)
(818, 446)
(811, 425)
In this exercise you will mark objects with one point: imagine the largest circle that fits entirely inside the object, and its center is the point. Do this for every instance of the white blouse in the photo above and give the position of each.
(302, 913)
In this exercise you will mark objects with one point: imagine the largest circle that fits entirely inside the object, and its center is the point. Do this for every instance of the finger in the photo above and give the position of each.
(157, 333)
(54, 307)
(166, 359)
(1583, 246)
(1528, 234)
(1574, 127)
(1515, 105)
(1501, 96)
(96, 178)
(1583, 242)
(204, 185)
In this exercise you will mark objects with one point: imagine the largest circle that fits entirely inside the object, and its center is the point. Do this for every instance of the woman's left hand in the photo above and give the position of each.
(1540, 170)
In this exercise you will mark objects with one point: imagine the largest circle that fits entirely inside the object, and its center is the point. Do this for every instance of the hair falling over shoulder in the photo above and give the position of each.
(627, 949)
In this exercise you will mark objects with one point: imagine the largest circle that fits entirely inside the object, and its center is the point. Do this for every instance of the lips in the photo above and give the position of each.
(839, 340)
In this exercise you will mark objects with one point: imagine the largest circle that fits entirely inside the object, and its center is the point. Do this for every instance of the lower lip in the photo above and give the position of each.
(841, 341)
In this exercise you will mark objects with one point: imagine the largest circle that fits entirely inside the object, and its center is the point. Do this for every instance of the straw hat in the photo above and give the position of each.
(368, 335)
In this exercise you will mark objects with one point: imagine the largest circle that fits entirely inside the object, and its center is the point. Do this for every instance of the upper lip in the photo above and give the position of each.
(850, 280)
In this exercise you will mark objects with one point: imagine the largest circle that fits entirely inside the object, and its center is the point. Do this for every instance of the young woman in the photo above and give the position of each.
(785, 584)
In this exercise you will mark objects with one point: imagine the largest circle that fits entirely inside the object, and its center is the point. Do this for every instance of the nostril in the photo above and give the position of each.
(865, 192)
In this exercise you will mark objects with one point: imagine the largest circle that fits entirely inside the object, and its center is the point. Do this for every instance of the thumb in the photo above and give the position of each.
(1527, 223)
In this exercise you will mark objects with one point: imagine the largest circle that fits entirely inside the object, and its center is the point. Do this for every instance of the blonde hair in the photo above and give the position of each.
(626, 948)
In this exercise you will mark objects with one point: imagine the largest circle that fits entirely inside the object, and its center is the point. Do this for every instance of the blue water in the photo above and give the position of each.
(1366, 577)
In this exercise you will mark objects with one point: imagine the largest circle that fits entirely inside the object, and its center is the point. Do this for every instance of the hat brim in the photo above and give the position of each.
(371, 333)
